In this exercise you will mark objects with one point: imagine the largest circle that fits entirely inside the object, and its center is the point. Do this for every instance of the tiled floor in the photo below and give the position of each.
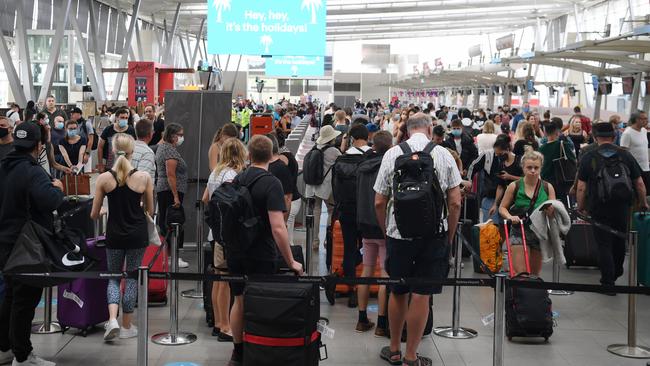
(586, 324)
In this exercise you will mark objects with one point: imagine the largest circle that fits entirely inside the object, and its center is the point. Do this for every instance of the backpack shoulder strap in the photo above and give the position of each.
(250, 184)
(360, 150)
(429, 148)
(406, 149)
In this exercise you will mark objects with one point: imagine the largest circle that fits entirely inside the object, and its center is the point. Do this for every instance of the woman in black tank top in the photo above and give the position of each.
(126, 233)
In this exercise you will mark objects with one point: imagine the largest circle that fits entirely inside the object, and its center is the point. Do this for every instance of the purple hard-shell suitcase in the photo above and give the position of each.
(82, 303)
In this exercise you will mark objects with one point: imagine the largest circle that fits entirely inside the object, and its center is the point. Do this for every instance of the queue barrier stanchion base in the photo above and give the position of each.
(625, 350)
(192, 294)
(460, 333)
(41, 328)
(178, 339)
(560, 292)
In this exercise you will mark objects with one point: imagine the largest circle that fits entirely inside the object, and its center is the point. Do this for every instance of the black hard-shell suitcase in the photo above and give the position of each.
(469, 211)
(298, 256)
(580, 247)
(208, 268)
(528, 311)
(280, 324)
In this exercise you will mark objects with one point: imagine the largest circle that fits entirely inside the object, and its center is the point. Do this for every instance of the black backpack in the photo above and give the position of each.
(418, 200)
(344, 179)
(613, 182)
(366, 177)
(232, 216)
(313, 166)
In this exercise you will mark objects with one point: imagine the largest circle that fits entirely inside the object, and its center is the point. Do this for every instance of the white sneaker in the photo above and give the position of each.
(112, 330)
(129, 333)
(32, 360)
(6, 357)
(182, 263)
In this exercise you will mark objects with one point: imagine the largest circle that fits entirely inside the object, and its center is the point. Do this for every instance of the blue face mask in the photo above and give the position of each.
(73, 133)
(59, 125)
(123, 123)
(621, 125)
(457, 133)
(526, 109)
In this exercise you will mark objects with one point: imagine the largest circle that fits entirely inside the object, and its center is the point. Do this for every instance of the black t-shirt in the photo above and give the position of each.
(590, 164)
(158, 128)
(107, 135)
(281, 171)
(267, 196)
(520, 145)
(512, 169)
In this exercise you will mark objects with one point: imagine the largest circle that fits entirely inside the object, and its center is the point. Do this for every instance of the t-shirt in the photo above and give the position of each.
(281, 171)
(57, 138)
(357, 150)
(107, 135)
(637, 144)
(73, 149)
(551, 151)
(166, 152)
(57, 112)
(513, 169)
(13, 117)
(590, 164)
(5, 149)
(293, 168)
(267, 196)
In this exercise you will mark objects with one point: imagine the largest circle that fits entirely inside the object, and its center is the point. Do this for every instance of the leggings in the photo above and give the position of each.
(116, 259)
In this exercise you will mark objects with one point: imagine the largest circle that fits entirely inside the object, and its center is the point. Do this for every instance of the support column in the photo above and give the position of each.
(158, 36)
(92, 35)
(198, 42)
(138, 41)
(55, 47)
(490, 98)
(23, 52)
(476, 99)
(125, 53)
(97, 91)
(636, 91)
(172, 34)
(127, 45)
(187, 61)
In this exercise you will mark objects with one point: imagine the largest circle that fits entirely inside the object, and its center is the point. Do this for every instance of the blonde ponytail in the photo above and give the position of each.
(123, 146)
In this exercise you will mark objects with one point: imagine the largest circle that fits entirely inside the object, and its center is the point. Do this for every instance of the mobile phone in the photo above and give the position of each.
(545, 206)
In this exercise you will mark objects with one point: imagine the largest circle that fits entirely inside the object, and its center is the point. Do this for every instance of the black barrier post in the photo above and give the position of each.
(143, 316)
(197, 293)
(309, 234)
(499, 319)
(455, 331)
(631, 349)
(173, 337)
(47, 326)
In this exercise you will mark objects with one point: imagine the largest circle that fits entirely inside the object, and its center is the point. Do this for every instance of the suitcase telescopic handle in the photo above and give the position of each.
(505, 229)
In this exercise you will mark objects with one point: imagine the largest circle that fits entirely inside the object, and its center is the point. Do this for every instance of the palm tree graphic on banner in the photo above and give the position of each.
(294, 70)
(266, 41)
(312, 5)
(221, 5)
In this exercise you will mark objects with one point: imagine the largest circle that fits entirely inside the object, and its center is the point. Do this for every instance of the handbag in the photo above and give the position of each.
(76, 184)
(565, 168)
(39, 250)
(154, 238)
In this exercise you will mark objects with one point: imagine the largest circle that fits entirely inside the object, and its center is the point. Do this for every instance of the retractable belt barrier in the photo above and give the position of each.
(469, 282)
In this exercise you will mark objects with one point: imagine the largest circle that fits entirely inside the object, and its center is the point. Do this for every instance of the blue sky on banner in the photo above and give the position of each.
(295, 66)
(266, 27)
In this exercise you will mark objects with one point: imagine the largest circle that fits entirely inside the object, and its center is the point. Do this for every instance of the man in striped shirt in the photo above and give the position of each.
(143, 157)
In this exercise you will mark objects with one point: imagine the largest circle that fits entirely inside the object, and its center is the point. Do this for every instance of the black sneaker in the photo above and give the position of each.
(224, 337)
(352, 299)
(216, 331)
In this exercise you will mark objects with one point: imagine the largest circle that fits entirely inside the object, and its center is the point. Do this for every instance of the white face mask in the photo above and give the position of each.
(180, 140)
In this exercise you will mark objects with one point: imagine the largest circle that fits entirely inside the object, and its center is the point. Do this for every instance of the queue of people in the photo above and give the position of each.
(509, 159)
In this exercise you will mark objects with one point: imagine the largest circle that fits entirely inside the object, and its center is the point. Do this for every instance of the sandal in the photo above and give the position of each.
(421, 361)
(388, 356)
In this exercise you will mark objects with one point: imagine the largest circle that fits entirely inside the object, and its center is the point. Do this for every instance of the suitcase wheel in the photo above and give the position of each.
(568, 265)
(510, 339)
(546, 339)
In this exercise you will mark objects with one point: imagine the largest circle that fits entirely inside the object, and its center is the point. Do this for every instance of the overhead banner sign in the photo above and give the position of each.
(295, 66)
(264, 27)
(505, 42)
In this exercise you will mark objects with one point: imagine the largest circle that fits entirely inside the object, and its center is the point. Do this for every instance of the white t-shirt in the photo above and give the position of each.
(637, 143)
(355, 150)
(13, 117)
(215, 180)
(485, 141)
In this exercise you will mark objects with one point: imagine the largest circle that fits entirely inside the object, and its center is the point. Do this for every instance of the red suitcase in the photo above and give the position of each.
(156, 257)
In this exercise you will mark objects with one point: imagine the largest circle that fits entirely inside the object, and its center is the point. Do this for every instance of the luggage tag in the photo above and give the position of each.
(324, 330)
(322, 352)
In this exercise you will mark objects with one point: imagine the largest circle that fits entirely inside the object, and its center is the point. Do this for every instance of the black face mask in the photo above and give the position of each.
(4, 132)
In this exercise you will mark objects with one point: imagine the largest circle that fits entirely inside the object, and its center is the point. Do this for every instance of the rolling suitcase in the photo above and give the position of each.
(641, 222)
(82, 303)
(580, 247)
(156, 257)
(208, 268)
(280, 324)
(528, 311)
(470, 213)
(337, 260)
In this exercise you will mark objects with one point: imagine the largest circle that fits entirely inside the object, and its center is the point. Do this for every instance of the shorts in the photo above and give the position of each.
(532, 242)
(419, 258)
(219, 259)
(373, 248)
(247, 266)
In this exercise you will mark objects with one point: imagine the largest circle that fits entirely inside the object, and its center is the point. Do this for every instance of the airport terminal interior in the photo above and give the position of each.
(308, 72)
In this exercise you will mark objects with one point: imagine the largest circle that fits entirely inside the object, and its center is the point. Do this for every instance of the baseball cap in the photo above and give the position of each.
(76, 110)
(27, 135)
(372, 127)
(603, 129)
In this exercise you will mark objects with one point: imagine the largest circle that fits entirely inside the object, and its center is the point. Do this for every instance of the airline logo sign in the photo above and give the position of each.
(265, 27)
(295, 66)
